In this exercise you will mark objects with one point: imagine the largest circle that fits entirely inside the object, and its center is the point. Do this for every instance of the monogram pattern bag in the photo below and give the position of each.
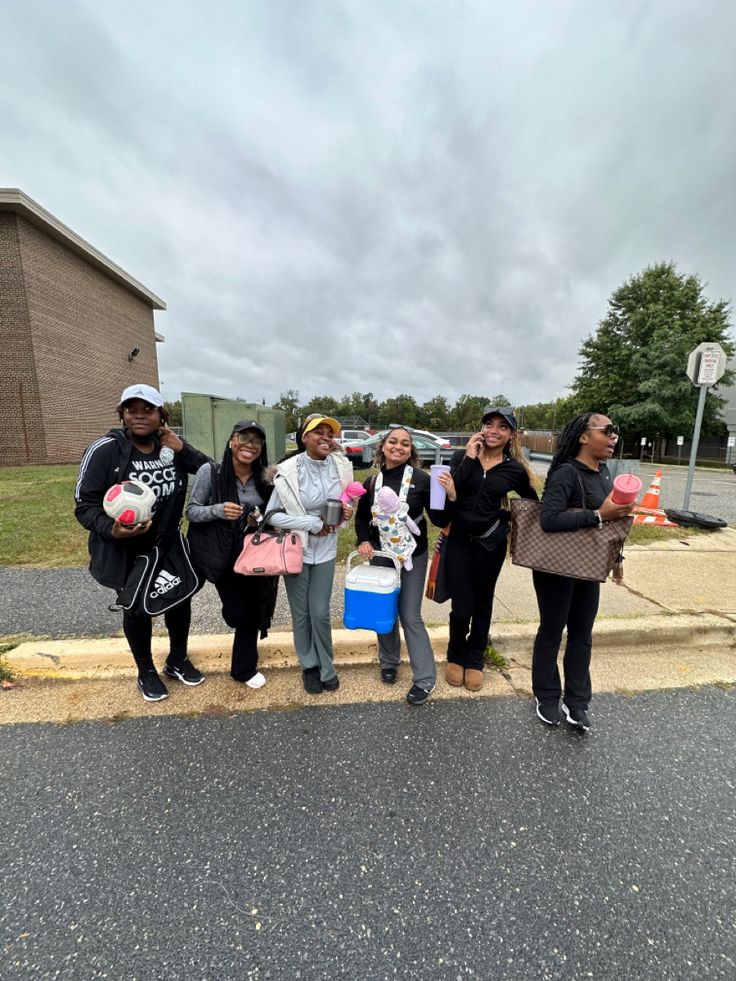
(585, 553)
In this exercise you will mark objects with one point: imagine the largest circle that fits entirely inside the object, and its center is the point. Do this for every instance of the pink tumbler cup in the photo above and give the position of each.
(626, 488)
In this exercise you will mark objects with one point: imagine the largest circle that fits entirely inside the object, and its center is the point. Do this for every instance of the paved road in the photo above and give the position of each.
(377, 841)
(713, 492)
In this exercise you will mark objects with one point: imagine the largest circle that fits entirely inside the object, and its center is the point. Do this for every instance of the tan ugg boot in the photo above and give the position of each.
(454, 674)
(473, 679)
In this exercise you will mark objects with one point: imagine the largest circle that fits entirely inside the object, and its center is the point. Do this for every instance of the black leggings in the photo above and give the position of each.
(472, 573)
(139, 630)
(572, 603)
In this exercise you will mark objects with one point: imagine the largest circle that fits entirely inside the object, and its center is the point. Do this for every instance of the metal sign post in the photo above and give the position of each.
(705, 366)
(680, 443)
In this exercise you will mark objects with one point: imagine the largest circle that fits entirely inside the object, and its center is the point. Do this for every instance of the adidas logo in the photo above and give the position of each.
(164, 582)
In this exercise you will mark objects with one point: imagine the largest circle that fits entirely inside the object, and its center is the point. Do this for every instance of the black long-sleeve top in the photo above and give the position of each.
(562, 492)
(417, 499)
(480, 492)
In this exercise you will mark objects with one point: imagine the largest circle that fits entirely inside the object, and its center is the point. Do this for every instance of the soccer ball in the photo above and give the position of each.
(130, 502)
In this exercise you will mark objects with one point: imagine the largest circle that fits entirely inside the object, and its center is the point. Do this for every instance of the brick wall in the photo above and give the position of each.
(21, 422)
(83, 326)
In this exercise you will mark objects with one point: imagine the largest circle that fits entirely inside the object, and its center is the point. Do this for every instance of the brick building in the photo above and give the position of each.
(75, 329)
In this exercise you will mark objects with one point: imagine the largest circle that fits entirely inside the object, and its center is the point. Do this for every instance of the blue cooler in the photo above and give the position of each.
(372, 595)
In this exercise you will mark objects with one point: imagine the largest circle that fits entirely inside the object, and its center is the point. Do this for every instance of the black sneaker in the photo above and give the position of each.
(312, 684)
(388, 675)
(153, 689)
(577, 717)
(417, 695)
(185, 672)
(332, 685)
(548, 712)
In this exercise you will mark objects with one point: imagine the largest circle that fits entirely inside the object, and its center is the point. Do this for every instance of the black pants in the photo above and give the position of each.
(472, 572)
(571, 603)
(139, 630)
(240, 607)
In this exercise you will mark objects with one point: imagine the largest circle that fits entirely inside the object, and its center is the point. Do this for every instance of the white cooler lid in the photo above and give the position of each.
(372, 577)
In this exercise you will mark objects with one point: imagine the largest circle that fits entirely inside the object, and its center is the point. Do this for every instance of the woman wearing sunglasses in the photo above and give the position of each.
(578, 469)
(482, 475)
(225, 501)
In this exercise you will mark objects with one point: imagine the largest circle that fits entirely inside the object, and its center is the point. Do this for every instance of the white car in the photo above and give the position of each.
(350, 435)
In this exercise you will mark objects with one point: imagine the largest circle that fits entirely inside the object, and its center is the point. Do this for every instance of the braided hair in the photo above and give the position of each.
(568, 442)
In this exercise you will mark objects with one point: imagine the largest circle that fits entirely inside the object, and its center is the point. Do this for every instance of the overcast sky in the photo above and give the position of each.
(380, 195)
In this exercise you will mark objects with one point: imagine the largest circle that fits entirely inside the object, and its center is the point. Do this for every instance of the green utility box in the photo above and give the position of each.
(208, 421)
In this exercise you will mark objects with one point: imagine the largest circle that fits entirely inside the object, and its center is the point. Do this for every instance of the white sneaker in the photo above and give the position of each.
(257, 681)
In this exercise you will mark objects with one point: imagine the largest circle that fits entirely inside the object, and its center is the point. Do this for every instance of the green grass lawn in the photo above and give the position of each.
(38, 527)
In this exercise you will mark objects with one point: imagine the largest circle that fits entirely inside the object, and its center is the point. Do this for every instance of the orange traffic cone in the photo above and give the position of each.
(651, 498)
(654, 519)
(649, 504)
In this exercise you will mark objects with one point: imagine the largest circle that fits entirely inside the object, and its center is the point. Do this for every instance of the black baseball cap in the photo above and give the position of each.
(240, 427)
(504, 411)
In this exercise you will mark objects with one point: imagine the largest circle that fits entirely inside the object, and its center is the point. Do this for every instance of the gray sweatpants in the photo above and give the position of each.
(421, 656)
(309, 593)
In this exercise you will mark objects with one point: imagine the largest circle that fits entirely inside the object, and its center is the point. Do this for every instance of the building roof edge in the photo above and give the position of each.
(14, 200)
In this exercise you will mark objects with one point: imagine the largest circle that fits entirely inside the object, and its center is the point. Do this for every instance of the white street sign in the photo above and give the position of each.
(680, 440)
(706, 364)
(731, 441)
(643, 441)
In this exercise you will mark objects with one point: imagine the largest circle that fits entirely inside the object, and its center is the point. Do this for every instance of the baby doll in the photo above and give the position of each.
(395, 527)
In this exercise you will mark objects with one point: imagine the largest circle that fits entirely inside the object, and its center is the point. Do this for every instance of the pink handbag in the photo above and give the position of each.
(270, 552)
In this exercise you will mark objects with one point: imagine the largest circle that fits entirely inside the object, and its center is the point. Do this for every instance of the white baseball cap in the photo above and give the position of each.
(146, 392)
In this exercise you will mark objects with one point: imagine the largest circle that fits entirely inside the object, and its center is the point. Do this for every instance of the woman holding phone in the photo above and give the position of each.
(481, 476)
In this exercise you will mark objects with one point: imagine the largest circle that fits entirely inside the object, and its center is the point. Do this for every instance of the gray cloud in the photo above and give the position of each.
(394, 197)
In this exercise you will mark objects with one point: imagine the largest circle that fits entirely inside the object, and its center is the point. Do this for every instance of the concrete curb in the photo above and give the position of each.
(96, 658)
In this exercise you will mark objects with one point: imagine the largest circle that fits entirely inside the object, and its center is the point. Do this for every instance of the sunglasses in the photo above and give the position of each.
(250, 440)
(399, 425)
(608, 430)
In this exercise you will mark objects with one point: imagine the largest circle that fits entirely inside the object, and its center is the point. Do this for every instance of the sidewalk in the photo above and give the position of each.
(672, 623)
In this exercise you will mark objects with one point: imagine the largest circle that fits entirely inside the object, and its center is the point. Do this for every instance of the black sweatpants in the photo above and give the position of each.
(240, 606)
(472, 573)
(572, 603)
(139, 630)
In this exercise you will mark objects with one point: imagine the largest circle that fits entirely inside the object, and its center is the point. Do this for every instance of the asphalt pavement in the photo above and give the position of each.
(374, 842)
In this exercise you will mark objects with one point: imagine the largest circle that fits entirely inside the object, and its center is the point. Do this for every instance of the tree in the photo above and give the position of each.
(468, 412)
(435, 414)
(633, 368)
(289, 402)
(321, 403)
(403, 408)
(174, 411)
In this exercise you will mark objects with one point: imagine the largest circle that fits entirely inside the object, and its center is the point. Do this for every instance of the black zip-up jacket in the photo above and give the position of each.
(105, 462)
(480, 492)
(562, 492)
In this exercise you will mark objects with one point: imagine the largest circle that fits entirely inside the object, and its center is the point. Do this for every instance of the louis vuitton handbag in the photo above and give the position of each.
(586, 553)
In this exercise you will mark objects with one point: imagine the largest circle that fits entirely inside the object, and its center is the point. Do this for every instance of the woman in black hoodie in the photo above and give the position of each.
(148, 451)
(482, 475)
(577, 494)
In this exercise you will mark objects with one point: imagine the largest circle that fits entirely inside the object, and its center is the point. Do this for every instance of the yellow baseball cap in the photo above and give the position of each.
(322, 421)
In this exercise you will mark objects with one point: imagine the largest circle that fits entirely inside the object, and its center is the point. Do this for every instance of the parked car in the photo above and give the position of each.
(430, 448)
(347, 435)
